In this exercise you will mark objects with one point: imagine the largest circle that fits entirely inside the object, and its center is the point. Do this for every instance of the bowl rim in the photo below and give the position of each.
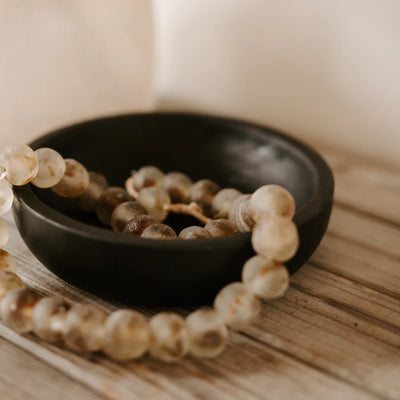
(320, 199)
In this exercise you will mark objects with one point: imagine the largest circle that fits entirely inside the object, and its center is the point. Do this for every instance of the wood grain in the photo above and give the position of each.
(335, 335)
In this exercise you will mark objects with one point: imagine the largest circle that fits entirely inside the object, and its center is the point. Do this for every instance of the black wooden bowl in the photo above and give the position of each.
(143, 271)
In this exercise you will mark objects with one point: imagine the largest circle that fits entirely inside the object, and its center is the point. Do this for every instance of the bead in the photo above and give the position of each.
(97, 185)
(240, 215)
(51, 168)
(75, 180)
(203, 192)
(153, 199)
(138, 224)
(8, 282)
(272, 200)
(275, 238)
(17, 307)
(236, 305)
(207, 333)
(6, 196)
(220, 227)
(108, 201)
(170, 339)
(223, 200)
(148, 176)
(265, 278)
(84, 327)
(126, 335)
(20, 164)
(7, 262)
(124, 212)
(159, 231)
(48, 318)
(3, 233)
(194, 232)
(178, 187)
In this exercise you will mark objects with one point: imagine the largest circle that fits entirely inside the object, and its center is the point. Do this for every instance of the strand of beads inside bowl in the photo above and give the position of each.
(125, 334)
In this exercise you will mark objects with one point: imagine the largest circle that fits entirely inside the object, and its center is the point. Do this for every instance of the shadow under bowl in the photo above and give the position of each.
(132, 270)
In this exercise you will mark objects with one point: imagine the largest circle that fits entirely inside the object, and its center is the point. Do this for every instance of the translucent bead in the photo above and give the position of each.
(51, 168)
(124, 212)
(108, 202)
(148, 176)
(6, 196)
(8, 282)
(239, 213)
(207, 333)
(75, 180)
(265, 278)
(97, 185)
(138, 224)
(17, 307)
(275, 238)
(272, 200)
(7, 262)
(20, 163)
(220, 227)
(48, 318)
(194, 232)
(203, 192)
(3, 233)
(170, 339)
(159, 231)
(236, 305)
(84, 328)
(153, 199)
(178, 187)
(126, 335)
(223, 200)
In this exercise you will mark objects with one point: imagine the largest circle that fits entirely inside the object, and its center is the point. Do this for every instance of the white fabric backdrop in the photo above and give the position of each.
(322, 69)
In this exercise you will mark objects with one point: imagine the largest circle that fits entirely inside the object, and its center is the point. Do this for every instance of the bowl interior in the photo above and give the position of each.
(205, 148)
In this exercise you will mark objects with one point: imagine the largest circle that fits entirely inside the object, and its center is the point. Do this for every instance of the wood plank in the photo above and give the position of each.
(246, 370)
(331, 345)
(23, 376)
(365, 185)
(363, 265)
(365, 231)
(365, 310)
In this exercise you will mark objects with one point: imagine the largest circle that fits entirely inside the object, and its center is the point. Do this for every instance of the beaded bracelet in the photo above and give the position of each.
(140, 209)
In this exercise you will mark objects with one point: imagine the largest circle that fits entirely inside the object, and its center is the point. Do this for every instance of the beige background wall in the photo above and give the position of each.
(327, 70)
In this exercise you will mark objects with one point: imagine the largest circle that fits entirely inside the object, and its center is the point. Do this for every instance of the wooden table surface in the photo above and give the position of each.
(336, 334)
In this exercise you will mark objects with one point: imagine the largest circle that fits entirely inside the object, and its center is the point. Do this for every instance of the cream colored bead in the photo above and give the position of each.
(153, 199)
(207, 333)
(170, 339)
(147, 176)
(178, 186)
(223, 200)
(97, 185)
(51, 168)
(265, 278)
(17, 307)
(220, 227)
(272, 200)
(20, 163)
(6, 196)
(9, 281)
(239, 213)
(75, 180)
(275, 238)
(3, 233)
(236, 305)
(7, 262)
(48, 318)
(84, 328)
(126, 335)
